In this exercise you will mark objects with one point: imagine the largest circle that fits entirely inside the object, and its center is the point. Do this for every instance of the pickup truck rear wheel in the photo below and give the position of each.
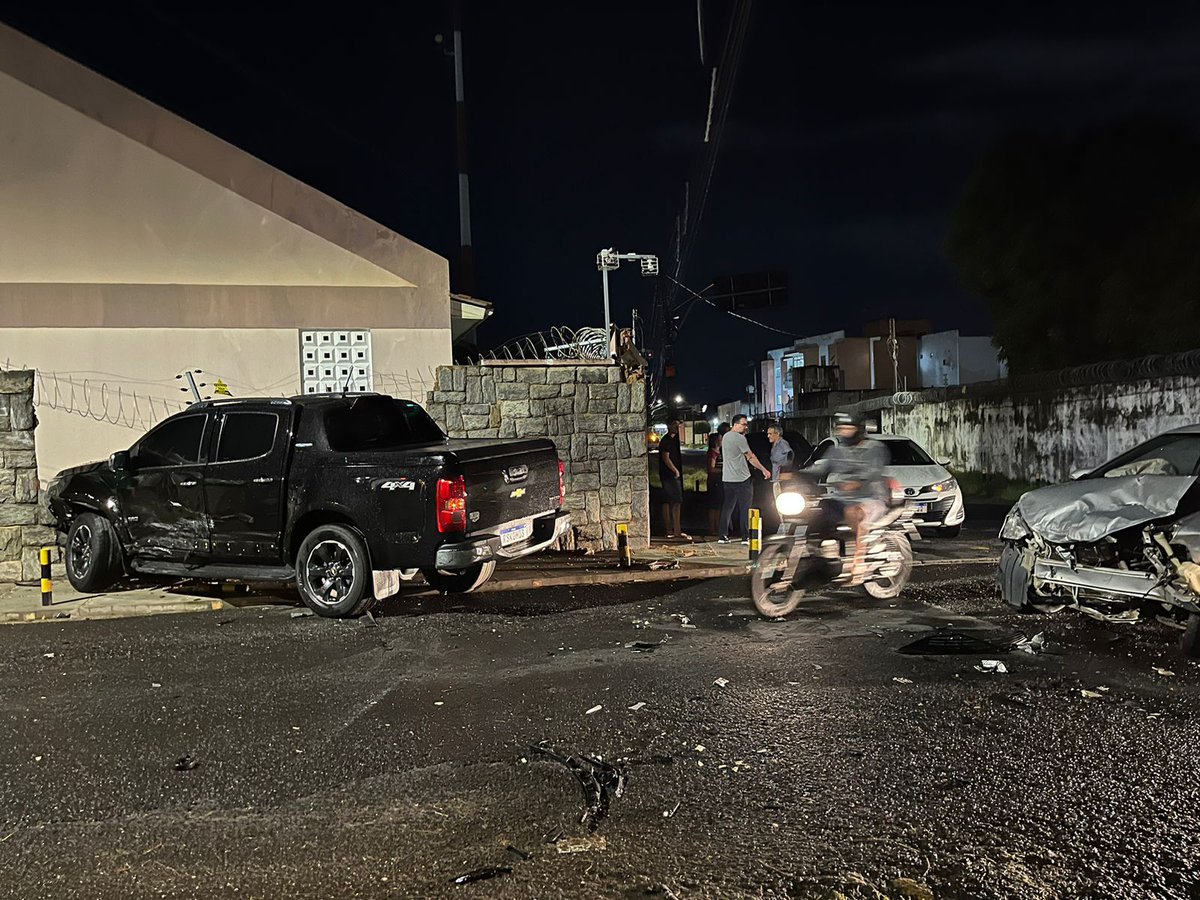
(93, 554)
(333, 572)
(459, 581)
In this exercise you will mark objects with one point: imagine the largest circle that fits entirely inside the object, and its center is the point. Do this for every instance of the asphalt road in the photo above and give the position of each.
(344, 760)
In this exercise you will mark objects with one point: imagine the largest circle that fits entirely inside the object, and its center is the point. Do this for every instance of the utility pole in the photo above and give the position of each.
(610, 260)
(466, 275)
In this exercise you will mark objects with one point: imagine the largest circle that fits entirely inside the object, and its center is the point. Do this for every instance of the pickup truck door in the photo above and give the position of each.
(162, 496)
(244, 484)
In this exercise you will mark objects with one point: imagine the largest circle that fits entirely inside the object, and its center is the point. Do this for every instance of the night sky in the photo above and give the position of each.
(851, 132)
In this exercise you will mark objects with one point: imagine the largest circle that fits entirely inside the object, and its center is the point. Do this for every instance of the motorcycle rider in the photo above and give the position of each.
(853, 468)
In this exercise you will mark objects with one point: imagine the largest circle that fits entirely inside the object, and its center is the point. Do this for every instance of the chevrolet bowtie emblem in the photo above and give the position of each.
(519, 492)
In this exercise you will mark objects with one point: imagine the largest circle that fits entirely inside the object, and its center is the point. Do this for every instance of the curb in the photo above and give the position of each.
(111, 611)
(617, 576)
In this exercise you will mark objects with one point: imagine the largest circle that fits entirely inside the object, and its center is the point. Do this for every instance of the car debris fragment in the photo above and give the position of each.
(1032, 645)
(302, 613)
(594, 709)
(721, 682)
(645, 646)
(581, 844)
(900, 680)
(482, 874)
(947, 640)
(1164, 672)
(668, 813)
(601, 781)
(1090, 695)
(641, 704)
(517, 851)
(660, 564)
(992, 665)
(186, 764)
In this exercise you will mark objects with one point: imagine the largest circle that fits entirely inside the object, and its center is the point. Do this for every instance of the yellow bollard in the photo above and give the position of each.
(47, 584)
(755, 534)
(624, 556)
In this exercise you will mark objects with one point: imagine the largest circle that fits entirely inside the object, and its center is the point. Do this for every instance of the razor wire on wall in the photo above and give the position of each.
(559, 342)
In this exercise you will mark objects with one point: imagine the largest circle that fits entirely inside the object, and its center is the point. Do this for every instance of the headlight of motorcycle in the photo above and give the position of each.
(946, 486)
(790, 503)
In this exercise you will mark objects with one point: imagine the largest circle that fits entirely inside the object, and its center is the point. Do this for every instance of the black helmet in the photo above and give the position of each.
(854, 420)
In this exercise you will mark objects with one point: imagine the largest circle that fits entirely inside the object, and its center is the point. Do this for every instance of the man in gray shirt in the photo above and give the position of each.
(737, 458)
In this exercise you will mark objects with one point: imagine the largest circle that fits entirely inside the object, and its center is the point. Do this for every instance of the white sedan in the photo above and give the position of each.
(926, 483)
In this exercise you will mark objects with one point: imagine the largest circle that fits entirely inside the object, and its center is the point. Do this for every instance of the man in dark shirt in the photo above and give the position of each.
(670, 471)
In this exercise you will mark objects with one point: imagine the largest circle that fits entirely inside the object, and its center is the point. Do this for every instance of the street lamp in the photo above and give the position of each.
(609, 261)
(679, 398)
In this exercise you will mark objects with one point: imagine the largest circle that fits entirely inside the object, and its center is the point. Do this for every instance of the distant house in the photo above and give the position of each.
(136, 246)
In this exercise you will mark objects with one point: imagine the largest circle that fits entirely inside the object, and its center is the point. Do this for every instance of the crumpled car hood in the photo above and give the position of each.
(1093, 508)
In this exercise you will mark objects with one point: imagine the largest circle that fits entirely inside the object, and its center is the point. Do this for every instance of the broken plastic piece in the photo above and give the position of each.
(601, 781)
(900, 680)
(645, 646)
(660, 564)
(1032, 645)
(554, 835)
(594, 709)
(371, 619)
(667, 813)
(482, 874)
(186, 763)
(1165, 672)
(302, 613)
(1090, 695)
(992, 665)
(721, 682)
(639, 705)
(581, 844)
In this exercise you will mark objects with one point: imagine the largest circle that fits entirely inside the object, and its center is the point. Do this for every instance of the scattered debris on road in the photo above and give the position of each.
(594, 709)
(581, 844)
(646, 646)
(601, 781)
(1090, 695)
(1033, 645)
(668, 813)
(482, 874)
(48, 656)
(554, 835)
(661, 564)
(968, 641)
(900, 680)
(367, 617)
(186, 763)
(302, 614)
(523, 854)
(992, 665)
(721, 682)
(1164, 672)
(641, 704)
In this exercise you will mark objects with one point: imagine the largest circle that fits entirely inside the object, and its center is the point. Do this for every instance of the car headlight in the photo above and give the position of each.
(790, 503)
(943, 487)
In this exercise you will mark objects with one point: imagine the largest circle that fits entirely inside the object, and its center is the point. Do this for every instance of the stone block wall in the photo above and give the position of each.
(595, 418)
(23, 521)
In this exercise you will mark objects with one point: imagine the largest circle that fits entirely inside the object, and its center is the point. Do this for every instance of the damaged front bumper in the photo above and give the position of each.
(491, 547)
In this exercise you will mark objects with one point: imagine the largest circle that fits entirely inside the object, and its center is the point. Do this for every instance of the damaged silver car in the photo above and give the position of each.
(1118, 542)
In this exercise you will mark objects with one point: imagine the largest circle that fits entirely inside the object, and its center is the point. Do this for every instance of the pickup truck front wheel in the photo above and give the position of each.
(93, 554)
(333, 572)
(459, 581)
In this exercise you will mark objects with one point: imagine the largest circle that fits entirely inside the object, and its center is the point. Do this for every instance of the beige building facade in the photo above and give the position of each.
(135, 246)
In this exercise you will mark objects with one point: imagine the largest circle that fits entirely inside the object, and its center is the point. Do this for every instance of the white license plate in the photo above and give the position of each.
(514, 534)
(921, 508)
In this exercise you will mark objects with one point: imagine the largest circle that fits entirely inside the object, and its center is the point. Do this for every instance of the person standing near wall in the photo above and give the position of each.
(715, 486)
(737, 459)
(670, 472)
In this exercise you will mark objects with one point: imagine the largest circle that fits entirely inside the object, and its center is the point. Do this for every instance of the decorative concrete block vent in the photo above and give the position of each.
(595, 418)
(24, 523)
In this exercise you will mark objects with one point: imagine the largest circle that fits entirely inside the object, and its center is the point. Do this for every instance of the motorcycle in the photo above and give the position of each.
(814, 549)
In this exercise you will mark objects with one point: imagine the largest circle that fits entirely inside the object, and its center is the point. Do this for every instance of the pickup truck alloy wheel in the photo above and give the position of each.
(333, 572)
(93, 554)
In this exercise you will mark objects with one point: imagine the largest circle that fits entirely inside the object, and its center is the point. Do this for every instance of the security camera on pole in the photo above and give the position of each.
(609, 260)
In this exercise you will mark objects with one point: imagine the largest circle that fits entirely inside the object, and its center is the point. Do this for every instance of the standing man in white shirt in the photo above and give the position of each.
(737, 459)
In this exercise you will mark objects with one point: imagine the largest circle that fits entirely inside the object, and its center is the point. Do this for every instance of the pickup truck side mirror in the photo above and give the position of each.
(943, 461)
(1079, 473)
(120, 461)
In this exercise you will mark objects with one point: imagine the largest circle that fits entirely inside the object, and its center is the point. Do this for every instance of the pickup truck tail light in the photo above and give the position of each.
(452, 504)
(562, 483)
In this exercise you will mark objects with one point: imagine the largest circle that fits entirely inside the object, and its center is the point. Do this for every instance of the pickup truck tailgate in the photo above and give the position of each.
(506, 480)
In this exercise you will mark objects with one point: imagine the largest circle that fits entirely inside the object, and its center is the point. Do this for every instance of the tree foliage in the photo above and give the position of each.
(1085, 246)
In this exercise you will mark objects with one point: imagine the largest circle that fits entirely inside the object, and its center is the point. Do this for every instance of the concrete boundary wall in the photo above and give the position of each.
(594, 416)
(23, 521)
(1045, 435)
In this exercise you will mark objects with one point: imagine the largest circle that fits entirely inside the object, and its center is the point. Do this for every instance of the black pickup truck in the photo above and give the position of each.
(346, 495)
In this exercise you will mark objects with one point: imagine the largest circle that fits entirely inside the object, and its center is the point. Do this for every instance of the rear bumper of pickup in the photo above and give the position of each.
(486, 547)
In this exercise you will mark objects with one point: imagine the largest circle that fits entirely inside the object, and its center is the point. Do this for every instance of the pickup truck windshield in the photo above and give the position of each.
(379, 423)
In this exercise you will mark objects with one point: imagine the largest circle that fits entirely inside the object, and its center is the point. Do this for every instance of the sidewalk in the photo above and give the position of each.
(679, 561)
